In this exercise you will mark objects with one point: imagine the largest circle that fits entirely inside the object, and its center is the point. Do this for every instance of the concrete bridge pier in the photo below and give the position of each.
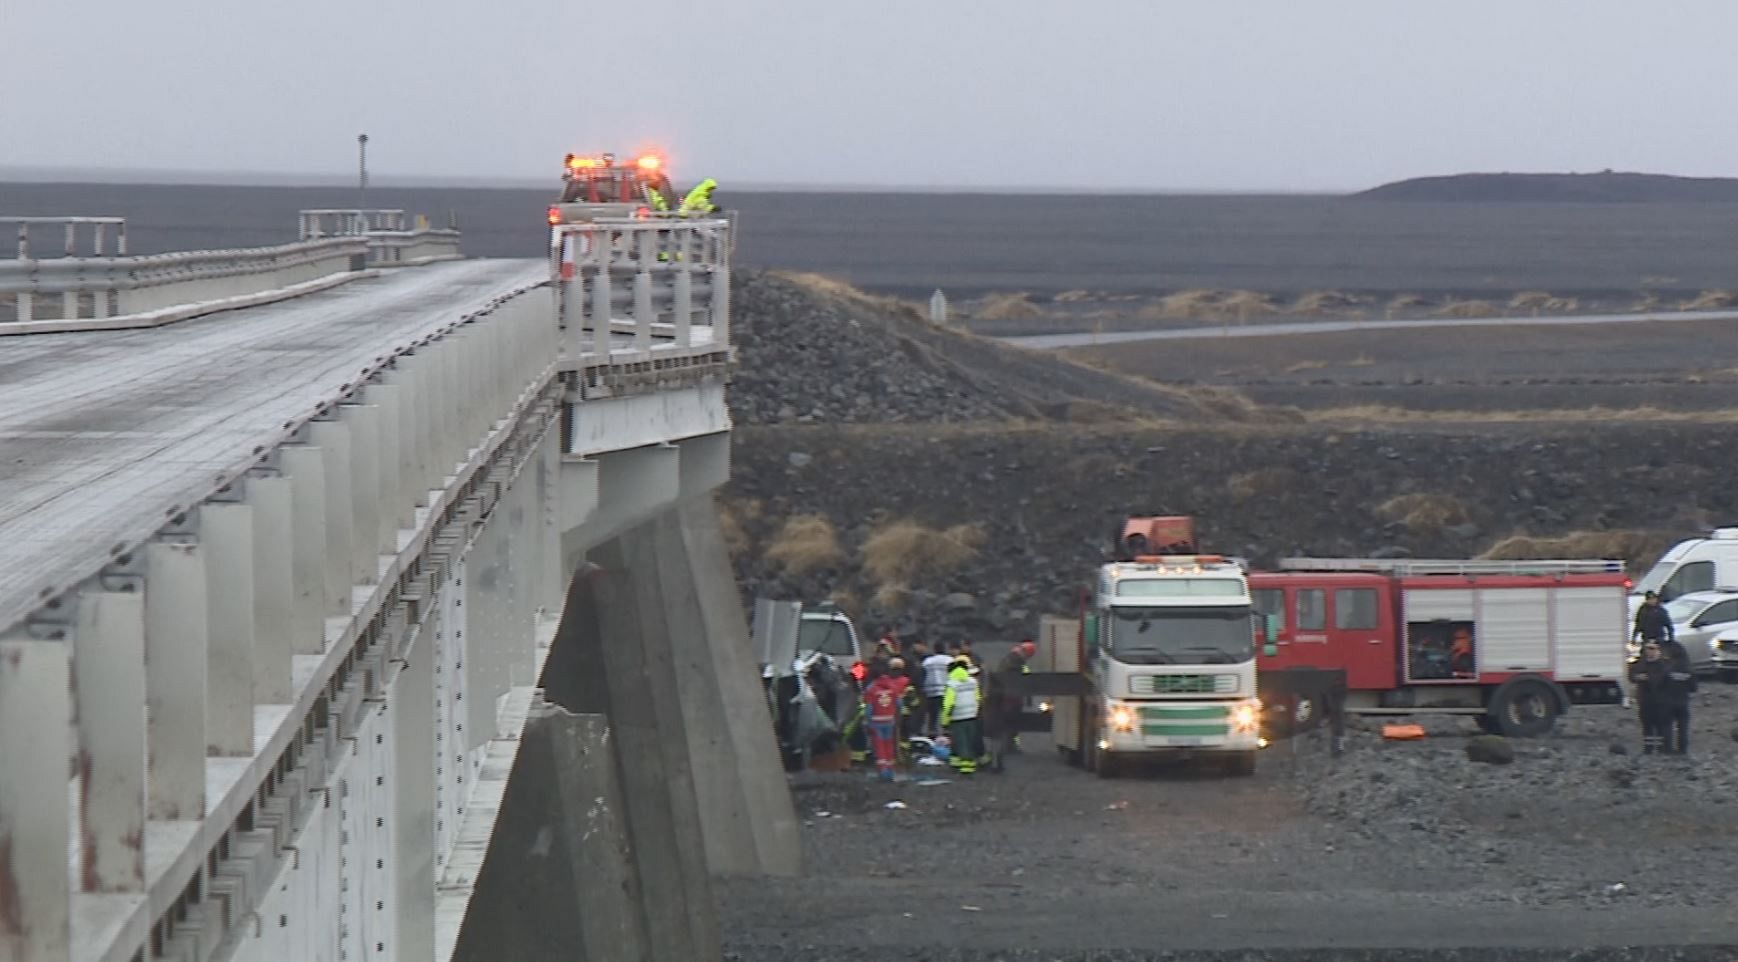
(651, 670)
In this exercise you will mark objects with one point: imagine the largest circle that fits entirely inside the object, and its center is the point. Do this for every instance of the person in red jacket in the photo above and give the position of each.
(881, 707)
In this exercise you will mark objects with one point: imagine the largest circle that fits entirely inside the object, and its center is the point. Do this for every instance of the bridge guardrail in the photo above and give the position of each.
(101, 285)
(663, 281)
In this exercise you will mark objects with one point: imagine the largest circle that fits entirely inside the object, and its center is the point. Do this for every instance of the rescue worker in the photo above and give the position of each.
(655, 199)
(881, 701)
(1674, 706)
(698, 203)
(959, 715)
(1647, 678)
(1004, 702)
(935, 669)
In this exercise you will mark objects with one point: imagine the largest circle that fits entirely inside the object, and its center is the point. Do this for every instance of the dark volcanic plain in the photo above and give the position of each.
(857, 417)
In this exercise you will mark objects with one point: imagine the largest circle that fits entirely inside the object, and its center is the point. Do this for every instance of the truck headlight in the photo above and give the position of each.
(1246, 717)
(1121, 718)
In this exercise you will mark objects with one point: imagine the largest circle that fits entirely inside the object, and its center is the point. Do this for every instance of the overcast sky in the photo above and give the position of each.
(1204, 95)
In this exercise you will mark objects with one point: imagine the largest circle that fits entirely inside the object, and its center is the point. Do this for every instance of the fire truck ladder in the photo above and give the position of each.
(1411, 566)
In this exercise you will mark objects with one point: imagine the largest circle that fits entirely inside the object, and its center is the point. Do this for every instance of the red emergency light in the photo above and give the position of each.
(554, 215)
(859, 671)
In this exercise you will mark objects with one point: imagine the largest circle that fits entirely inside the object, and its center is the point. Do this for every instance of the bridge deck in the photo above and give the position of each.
(103, 433)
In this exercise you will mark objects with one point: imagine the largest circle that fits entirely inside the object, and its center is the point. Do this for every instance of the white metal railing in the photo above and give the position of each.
(102, 287)
(96, 283)
(664, 282)
(1429, 566)
(358, 220)
(100, 232)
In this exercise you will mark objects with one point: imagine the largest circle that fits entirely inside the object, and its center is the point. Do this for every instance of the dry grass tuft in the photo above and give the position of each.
(891, 597)
(838, 289)
(734, 518)
(1264, 483)
(1467, 309)
(1391, 414)
(1406, 302)
(1630, 546)
(806, 543)
(902, 552)
(1424, 513)
(1206, 304)
(1711, 301)
(1323, 303)
(1007, 307)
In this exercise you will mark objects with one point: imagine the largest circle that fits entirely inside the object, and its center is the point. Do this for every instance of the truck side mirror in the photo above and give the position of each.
(1267, 628)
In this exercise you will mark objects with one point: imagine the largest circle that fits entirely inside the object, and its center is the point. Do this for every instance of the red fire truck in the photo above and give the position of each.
(1511, 643)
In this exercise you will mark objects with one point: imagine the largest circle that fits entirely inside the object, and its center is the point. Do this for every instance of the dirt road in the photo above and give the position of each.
(1395, 846)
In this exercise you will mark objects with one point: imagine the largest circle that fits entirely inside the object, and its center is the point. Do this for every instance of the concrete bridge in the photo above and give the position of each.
(363, 602)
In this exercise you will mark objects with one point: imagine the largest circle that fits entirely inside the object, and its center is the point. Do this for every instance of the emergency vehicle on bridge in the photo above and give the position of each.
(1512, 644)
(600, 186)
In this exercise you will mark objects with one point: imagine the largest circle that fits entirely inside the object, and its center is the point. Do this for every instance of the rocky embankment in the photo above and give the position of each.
(1031, 507)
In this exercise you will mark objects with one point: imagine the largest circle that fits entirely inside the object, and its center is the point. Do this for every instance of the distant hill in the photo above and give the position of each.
(1608, 187)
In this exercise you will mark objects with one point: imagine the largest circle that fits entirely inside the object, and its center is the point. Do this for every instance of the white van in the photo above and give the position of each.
(1699, 564)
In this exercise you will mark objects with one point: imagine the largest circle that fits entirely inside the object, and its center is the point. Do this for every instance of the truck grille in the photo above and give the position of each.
(1182, 685)
(1185, 721)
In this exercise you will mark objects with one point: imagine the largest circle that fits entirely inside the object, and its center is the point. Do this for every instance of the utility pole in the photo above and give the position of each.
(362, 170)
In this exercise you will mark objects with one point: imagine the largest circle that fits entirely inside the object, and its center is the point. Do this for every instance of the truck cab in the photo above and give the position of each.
(1169, 647)
(599, 186)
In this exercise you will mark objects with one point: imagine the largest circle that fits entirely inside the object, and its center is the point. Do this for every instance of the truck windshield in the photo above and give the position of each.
(1218, 635)
(1655, 577)
(829, 637)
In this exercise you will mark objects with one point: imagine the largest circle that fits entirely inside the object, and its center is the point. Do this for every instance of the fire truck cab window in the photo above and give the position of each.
(1695, 576)
(1355, 608)
(1312, 609)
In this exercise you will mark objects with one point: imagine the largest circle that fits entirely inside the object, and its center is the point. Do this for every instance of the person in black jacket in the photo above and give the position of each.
(1679, 684)
(1647, 678)
(1652, 623)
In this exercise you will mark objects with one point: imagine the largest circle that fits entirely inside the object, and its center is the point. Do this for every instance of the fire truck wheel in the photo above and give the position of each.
(1524, 708)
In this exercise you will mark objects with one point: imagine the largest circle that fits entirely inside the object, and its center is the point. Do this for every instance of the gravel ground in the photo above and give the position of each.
(1407, 848)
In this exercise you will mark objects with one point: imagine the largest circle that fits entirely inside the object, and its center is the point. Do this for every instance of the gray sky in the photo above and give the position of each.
(1210, 94)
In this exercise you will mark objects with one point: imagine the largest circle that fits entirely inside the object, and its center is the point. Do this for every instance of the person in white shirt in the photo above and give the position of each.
(935, 668)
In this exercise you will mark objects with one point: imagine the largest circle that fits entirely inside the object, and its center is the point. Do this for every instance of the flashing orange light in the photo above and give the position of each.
(554, 215)
(578, 163)
(650, 162)
(859, 671)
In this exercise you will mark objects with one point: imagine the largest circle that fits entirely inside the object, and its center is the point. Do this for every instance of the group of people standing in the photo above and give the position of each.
(1662, 681)
(944, 692)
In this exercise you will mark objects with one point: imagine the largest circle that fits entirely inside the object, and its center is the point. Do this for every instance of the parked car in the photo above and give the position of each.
(1698, 618)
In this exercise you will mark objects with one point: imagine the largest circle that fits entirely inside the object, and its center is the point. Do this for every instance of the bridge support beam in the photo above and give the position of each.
(560, 881)
(333, 439)
(749, 822)
(272, 498)
(612, 657)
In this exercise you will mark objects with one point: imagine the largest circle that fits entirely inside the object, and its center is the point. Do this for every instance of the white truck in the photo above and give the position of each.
(1695, 564)
(1166, 647)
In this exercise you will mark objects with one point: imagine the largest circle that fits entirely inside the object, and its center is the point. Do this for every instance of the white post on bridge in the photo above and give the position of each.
(35, 743)
(304, 464)
(226, 531)
(272, 497)
(109, 695)
(175, 668)
(333, 440)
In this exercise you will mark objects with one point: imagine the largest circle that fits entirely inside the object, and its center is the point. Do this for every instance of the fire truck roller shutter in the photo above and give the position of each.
(1525, 706)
